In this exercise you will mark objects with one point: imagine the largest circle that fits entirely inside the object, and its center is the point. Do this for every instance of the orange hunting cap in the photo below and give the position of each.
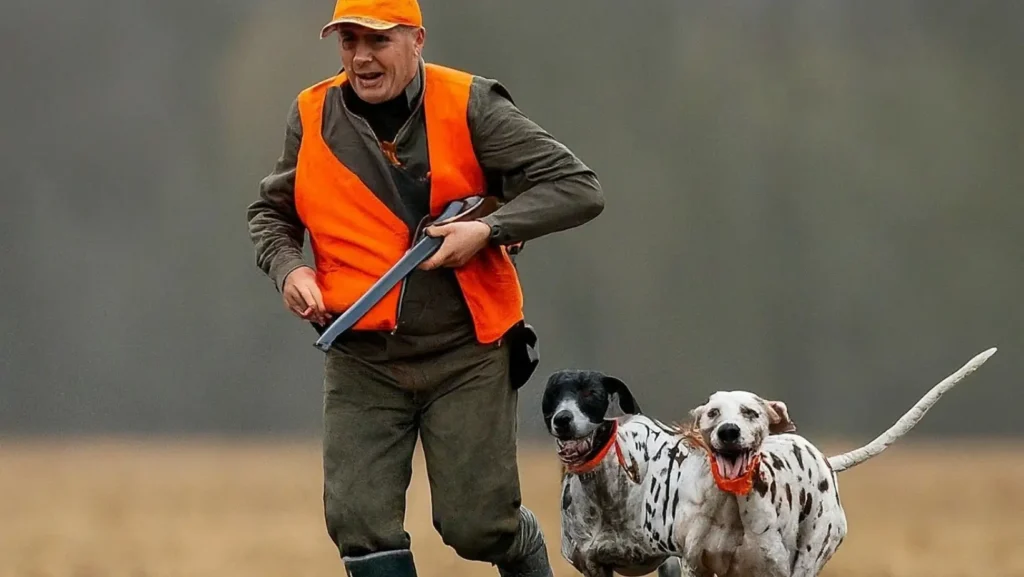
(376, 14)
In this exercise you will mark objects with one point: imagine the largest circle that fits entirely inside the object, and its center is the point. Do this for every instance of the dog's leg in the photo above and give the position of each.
(821, 520)
(767, 542)
(674, 567)
(595, 570)
(765, 557)
(824, 541)
(670, 568)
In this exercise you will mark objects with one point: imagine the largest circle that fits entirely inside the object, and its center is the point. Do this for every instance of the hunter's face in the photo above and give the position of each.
(380, 63)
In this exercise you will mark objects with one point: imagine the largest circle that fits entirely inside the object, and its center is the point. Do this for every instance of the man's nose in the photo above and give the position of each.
(362, 58)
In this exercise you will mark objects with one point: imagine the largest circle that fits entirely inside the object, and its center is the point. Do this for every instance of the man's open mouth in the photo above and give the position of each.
(369, 76)
(575, 450)
(733, 463)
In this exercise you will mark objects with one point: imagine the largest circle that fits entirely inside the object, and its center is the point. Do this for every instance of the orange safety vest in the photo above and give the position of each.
(355, 238)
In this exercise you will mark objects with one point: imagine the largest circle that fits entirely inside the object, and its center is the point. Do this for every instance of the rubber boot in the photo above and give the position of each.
(532, 557)
(397, 563)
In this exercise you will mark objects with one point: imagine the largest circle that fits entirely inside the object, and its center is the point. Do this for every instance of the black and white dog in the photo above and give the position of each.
(734, 493)
(603, 527)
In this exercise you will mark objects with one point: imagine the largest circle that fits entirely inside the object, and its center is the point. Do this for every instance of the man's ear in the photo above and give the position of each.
(778, 418)
(420, 39)
(626, 402)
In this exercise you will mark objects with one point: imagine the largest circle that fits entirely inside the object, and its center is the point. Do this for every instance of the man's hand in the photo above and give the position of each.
(302, 296)
(462, 240)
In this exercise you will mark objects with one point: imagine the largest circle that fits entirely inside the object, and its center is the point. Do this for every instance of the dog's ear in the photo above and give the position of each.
(695, 414)
(778, 418)
(626, 402)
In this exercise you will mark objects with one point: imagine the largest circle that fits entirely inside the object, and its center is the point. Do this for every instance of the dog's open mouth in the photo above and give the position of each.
(575, 450)
(733, 464)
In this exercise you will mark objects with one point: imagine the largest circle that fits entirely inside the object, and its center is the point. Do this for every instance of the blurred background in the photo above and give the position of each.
(819, 201)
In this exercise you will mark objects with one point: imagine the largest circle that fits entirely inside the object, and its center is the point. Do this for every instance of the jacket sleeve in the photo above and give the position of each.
(546, 187)
(275, 229)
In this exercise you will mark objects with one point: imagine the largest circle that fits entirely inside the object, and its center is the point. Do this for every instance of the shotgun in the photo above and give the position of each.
(465, 209)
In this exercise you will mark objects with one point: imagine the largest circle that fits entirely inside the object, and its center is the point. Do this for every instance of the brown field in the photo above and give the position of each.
(206, 509)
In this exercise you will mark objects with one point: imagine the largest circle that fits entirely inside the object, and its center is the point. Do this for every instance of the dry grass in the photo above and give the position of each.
(156, 509)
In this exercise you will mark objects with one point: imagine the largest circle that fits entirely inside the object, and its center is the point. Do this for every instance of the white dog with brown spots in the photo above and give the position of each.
(736, 493)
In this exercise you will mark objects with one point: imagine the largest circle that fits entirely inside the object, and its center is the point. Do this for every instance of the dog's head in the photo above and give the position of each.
(577, 407)
(733, 424)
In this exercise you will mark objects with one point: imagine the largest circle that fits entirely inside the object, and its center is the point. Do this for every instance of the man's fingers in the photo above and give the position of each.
(429, 264)
(307, 296)
(322, 316)
(317, 311)
(442, 230)
(434, 261)
(292, 301)
(298, 308)
(317, 297)
(305, 301)
(442, 254)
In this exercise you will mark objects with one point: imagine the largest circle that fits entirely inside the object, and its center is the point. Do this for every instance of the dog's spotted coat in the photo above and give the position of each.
(789, 524)
(607, 520)
(602, 509)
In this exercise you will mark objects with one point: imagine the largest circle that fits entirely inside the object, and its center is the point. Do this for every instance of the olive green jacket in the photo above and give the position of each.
(546, 188)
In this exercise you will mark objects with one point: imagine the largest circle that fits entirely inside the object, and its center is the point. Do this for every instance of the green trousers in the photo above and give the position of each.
(377, 402)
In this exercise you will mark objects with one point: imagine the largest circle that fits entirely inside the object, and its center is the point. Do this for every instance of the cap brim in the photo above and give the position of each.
(357, 20)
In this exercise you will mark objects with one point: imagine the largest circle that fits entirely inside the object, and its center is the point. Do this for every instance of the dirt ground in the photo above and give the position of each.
(205, 509)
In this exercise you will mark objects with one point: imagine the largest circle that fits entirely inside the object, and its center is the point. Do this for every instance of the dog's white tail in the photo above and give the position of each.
(909, 419)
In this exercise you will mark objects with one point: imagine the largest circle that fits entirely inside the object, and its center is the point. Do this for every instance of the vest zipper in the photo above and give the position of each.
(412, 113)
(380, 146)
(412, 239)
(398, 311)
(401, 290)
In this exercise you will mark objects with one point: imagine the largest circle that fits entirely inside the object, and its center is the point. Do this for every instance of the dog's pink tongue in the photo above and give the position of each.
(735, 467)
(726, 468)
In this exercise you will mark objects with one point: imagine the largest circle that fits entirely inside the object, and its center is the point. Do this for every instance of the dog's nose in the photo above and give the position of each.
(729, 433)
(562, 420)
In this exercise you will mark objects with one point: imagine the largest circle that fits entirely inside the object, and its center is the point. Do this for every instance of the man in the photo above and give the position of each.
(370, 155)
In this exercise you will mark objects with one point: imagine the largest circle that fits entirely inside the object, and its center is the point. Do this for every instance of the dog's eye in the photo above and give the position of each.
(712, 413)
(748, 413)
